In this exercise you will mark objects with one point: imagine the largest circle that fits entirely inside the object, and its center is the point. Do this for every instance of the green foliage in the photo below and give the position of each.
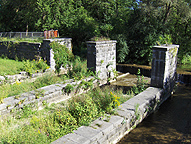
(32, 66)
(5, 64)
(69, 88)
(166, 39)
(122, 48)
(83, 109)
(79, 69)
(186, 59)
(137, 25)
(107, 99)
(102, 38)
(86, 84)
(137, 112)
(141, 84)
(62, 55)
(28, 67)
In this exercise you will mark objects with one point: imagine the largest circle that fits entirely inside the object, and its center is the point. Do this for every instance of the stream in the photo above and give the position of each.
(170, 124)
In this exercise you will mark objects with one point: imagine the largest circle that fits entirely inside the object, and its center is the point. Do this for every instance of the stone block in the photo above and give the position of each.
(77, 138)
(105, 127)
(3, 106)
(63, 140)
(90, 133)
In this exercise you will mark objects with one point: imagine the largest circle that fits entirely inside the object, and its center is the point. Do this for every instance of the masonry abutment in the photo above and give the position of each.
(101, 58)
(47, 52)
(164, 61)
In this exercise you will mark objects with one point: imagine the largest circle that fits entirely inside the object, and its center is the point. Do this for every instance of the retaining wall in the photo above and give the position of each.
(20, 50)
(28, 50)
(46, 95)
(111, 128)
(101, 58)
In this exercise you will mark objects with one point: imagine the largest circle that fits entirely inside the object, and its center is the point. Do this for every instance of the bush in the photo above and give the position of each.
(62, 55)
(83, 109)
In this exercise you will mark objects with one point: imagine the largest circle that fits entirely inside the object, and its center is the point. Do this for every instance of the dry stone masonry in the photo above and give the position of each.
(101, 57)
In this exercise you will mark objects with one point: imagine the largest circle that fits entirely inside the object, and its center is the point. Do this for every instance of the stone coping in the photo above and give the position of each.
(111, 128)
(57, 39)
(102, 42)
(166, 46)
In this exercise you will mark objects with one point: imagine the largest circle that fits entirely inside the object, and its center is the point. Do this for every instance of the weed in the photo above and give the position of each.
(83, 109)
(69, 88)
(141, 84)
(137, 113)
(39, 93)
(62, 55)
(86, 84)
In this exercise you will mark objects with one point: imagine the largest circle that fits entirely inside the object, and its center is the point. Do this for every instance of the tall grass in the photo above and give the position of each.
(51, 123)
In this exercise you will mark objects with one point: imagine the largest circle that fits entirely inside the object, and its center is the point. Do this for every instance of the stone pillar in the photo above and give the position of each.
(47, 52)
(164, 62)
(101, 58)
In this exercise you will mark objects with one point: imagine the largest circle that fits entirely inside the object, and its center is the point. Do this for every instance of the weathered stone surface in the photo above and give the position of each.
(103, 126)
(64, 140)
(77, 138)
(101, 57)
(2, 78)
(3, 106)
(90, 133)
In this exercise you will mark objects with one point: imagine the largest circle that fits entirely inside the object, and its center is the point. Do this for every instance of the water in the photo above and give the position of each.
(128, 81)
(170, 124)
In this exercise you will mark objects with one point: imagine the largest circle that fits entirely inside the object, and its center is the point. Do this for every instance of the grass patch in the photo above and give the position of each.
(10, 67)
(79, 71)
(51, 123)
(39, 40)
(17, 88)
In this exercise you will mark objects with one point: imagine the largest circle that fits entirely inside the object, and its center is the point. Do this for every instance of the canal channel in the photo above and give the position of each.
(171, 123)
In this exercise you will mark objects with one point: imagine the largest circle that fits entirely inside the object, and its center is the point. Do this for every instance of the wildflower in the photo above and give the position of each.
(39, 131)
(18, 83)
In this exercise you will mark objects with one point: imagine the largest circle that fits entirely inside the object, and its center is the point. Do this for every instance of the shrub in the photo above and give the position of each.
(83, 109)
(62, 55)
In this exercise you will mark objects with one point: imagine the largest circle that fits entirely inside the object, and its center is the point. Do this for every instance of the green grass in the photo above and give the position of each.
(10, 67)
(184, 68)
(79, 71)
(39, 40)
(51, 123)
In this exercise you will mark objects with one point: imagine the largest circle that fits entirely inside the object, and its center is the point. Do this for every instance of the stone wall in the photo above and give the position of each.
(47, 53)
(164, 66)
(111, 128)
(20, 50)
(101, 57)
(27, 50)
(46, 95)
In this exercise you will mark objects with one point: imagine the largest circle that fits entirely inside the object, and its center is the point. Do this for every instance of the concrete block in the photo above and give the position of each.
(116, 120)
(8, 100)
